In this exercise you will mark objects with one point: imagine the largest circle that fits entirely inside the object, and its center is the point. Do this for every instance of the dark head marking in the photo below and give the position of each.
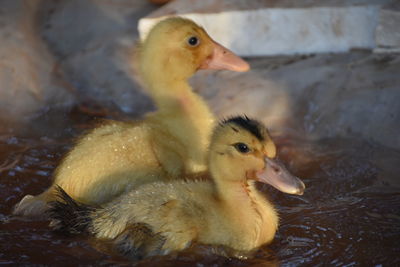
(236, 130)
(254, 127)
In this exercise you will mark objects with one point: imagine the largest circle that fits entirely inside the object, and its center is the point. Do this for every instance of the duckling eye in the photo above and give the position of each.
(193, 41)
(242, 148)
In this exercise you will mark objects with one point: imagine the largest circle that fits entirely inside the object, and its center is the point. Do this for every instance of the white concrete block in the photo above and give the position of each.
(388, 29)
(285, 27)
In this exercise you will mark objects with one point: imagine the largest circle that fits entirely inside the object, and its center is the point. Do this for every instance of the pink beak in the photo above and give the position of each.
(276, 174)
(224, 59)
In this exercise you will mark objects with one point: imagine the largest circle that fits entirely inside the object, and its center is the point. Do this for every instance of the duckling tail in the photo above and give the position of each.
(69, 216)
(31, 206)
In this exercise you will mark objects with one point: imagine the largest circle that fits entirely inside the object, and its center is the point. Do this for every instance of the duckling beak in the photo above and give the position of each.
(277, 175)
(224, 59)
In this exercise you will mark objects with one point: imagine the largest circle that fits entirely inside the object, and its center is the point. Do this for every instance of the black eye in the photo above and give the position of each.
(193, 41)
(242, 148)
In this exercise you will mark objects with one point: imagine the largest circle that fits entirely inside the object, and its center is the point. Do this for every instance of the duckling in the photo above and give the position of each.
(171, 142)
(162, 217)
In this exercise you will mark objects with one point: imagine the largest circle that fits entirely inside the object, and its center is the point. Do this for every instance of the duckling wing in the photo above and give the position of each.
(139, 241)
(169, 152)
(167, 210)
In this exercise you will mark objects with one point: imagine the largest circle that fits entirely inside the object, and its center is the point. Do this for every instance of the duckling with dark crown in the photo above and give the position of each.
(225, 210)
(170, 142)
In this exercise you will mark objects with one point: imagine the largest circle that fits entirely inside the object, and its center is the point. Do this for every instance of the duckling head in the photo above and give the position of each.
(176, 48)
(241, 149)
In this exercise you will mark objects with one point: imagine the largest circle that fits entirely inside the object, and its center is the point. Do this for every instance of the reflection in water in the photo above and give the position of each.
(349, 214)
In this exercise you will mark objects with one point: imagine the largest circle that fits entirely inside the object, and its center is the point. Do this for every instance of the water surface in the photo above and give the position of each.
(348, 216)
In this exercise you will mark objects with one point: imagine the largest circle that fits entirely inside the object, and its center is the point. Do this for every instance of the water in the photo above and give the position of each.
(348, 216)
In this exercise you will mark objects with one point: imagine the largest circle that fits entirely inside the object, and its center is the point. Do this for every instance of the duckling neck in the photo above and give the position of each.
(187, 117)
(238, 192)
(170, 95)
(255, 211)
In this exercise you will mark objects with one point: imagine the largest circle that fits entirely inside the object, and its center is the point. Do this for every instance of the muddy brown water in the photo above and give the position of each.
(348, 216)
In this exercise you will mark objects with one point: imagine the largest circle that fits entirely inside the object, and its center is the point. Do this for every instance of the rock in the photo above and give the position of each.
(55, 53)
(30, 78)
(350, 95)
(257, 28)
(388, 30)
(94, 41)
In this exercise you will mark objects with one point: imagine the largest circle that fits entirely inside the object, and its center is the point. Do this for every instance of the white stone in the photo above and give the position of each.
(388, 29)
(285, 27)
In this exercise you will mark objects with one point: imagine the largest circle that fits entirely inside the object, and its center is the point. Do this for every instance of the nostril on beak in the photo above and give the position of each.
(276, 169)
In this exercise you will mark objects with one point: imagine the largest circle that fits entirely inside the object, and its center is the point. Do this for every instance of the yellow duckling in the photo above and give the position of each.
(226, 210)
(168, 143)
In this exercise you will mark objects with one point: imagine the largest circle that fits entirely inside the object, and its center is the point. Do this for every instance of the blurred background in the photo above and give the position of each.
(325, 78)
